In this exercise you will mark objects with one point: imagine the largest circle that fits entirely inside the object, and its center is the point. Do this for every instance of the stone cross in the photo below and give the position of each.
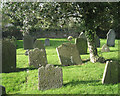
(68, 54)
(49, 77)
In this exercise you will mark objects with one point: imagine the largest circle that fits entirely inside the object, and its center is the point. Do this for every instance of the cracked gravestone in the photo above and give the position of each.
(28, 42)
(8, 56)
(68, 54)
(105, 48)
(111, 38)
(39, 44)
(110, 75)
(81, 44)
(49, 77)
(37, 57)
(47, 42)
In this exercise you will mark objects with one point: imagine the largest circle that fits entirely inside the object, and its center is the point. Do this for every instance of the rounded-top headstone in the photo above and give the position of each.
(2, 90)
(111, 38)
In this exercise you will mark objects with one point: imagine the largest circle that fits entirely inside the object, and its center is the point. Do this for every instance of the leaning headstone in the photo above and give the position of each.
(47, 42)
(2, 90)
(97, 41)
(81, 44)
(8, 56)
(28, 42)
(37, 58)
(105, 48)
(111, 38)
(49, 77)
(68, 54)
(111, 73)
(39, 44)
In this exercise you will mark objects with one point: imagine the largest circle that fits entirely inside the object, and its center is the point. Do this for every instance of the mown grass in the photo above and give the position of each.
(77, 79)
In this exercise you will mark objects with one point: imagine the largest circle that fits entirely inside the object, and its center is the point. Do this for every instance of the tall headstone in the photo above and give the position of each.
(49, 77)
(37, 58)
(39, 44)
(47, 42)
(8, 56)
(111, 38)
(28, 42)
(105, 48)
(81, 44)
(97, 41)
(68, 54)
(111, 73)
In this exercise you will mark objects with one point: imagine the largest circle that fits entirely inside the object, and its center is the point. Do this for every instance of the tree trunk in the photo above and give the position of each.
(94, 57)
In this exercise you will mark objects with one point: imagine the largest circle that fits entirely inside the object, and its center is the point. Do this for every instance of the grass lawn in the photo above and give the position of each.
(77, 79)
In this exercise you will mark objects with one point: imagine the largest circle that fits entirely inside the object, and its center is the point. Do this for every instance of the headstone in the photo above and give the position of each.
(2, 90)
(111, 73)
(49, 77)
(81, 44)
(105, 48)
(97, 41)
(8, 56)
(47, 42)
(37, 57)
(82, 35)
(39, 44)
(68, 54)
(13, 40)
(111, 38)
(28, 42)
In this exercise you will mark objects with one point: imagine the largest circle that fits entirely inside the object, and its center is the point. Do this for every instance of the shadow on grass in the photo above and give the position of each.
(90, 82)
(20, 69)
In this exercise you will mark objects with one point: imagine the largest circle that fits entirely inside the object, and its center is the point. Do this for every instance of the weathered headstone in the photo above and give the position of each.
(2, 90)
(8, 56)
(68, 54)
(49, 77)
(111, 38)
(105, 48)
(111, 73)
(13, 40)
(37, 58)
(28, 42)
(39, 44)
(47, 42)
(97, 41)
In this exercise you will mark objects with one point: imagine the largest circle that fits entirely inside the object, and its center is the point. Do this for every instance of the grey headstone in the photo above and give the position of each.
(8, 56)
(49, 77)
(81, 44)
(47, 42)
(28, 42)
(37, 58)
(111, 73)
(68, 54)
(105, 48)
(2, 90)
(111, 38)
(97, 41)
(39, 44)
(14, 40)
